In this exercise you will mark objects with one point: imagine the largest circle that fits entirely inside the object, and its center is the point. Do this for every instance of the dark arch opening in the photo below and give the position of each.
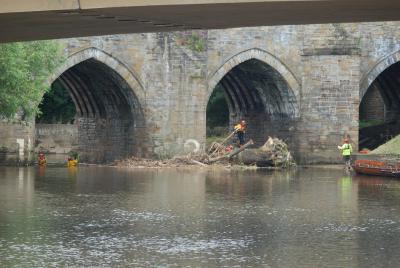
(379, 109)
(108, 117)
(258, 93)
(57, 106)
(217, 115)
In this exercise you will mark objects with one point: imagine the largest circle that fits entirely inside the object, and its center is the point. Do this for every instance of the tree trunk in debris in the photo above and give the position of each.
(232, 154)
(257, 157)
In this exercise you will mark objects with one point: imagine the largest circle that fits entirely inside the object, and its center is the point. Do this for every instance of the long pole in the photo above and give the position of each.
(222, 143)
(241, 149)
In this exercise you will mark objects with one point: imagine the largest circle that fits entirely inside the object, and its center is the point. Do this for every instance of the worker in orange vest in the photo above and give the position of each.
(42, 159)
(240, 129)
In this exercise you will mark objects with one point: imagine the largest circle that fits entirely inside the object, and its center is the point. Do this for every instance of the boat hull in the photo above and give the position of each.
(377, 167)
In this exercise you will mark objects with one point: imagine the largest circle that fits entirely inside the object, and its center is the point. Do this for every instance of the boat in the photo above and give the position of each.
(377, 165)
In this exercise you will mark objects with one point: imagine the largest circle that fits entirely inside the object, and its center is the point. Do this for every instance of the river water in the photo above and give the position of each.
(108, 217)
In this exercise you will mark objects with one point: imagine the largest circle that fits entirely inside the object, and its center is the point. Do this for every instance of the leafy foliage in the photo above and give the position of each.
(217, 110)
(193, 40)
(57, 106)
(24, 70)
(370, 123)
(196, 43)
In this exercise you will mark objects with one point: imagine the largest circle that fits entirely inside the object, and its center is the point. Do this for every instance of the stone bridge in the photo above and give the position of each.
(146, 94)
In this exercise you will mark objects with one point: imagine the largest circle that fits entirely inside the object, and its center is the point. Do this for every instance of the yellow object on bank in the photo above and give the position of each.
(72, 163)
(42, 162)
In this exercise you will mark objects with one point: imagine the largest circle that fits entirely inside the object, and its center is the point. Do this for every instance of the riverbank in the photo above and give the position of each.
(190, 164)
(182, 163)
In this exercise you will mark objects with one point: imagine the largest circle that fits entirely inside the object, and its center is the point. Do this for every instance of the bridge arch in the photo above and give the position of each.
(259, 88)
(131, 77)
(376, 70)
(255, 53)
(109, 100)
(380, 102)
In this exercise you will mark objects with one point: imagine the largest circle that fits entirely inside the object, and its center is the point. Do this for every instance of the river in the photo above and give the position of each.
(109, 217)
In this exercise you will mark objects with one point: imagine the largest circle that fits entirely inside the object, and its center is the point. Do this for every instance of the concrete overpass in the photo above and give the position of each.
(48, 19)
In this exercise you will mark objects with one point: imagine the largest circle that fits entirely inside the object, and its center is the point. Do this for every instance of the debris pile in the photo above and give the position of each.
(224, 154)
(178, 161)
(274, 153)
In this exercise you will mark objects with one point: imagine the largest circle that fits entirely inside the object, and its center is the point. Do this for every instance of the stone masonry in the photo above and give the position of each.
(146, 94)
(56, 138)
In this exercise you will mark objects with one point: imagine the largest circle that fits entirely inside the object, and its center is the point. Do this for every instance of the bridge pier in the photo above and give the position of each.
(330, 104)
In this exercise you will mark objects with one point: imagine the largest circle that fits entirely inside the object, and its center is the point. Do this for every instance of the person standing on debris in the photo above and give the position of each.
(240, 129)
(346, 152)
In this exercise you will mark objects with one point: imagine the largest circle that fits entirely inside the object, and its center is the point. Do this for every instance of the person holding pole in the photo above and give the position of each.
(240, 129)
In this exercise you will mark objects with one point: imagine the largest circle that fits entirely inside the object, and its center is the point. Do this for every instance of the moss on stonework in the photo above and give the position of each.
(194, 41)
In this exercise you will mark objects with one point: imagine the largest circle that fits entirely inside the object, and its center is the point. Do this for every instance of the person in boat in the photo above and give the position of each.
(347, 150)
(72, 162)
(42, 159)
(240, 130)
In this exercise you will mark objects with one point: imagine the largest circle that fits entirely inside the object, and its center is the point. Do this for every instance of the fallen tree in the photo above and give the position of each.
(274, 153)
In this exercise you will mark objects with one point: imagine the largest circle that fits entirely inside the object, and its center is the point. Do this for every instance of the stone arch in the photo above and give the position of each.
(119, 67)
(109, 100)
(376, 70)
(255, 53)
(380, 102)
(260, 89)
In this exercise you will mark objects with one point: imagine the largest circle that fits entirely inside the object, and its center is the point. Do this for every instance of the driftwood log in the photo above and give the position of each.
(274, 153)
(256, 157)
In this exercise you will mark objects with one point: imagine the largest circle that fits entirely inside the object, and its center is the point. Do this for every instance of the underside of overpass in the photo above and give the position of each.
(47, 19)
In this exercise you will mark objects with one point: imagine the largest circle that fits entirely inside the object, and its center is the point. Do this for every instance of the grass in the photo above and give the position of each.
(370, 123)
(391, 147)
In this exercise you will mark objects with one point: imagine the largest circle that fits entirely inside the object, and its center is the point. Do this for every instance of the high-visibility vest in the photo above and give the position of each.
(239, 127)
(347, 149)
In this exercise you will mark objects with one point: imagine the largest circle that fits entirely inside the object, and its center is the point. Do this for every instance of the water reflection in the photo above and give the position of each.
(110, 217)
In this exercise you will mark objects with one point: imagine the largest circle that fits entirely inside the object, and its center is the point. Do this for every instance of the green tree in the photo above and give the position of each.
(24, 70)
(217, 109)
(57, 106)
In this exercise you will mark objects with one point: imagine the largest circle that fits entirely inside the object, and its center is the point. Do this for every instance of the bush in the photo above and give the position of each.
(24, 70)
(370, 123)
